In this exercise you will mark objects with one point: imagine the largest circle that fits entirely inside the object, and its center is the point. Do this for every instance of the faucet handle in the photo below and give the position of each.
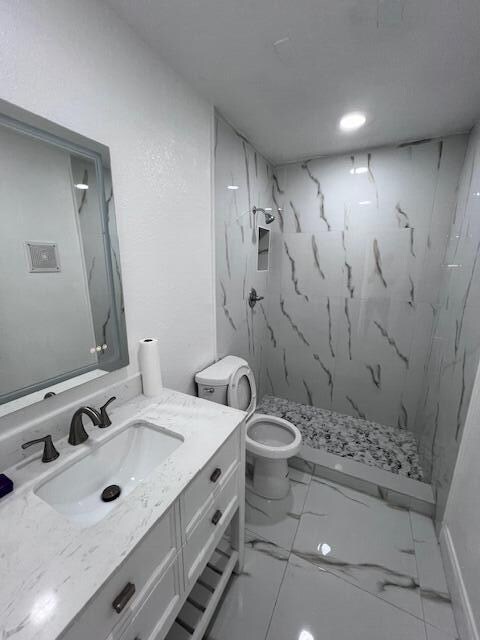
(104, 417)
(49, 451)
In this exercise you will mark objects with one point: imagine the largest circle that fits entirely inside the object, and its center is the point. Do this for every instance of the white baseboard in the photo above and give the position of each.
(462, 609)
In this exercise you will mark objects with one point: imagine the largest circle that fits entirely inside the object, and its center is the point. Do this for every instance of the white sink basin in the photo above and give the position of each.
(124, 460)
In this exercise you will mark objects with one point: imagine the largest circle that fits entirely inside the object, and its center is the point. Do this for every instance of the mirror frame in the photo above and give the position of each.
(99, 154)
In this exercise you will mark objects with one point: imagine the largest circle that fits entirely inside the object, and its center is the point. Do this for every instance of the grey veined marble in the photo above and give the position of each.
(362, 314)
(454, 355)
(369, 442)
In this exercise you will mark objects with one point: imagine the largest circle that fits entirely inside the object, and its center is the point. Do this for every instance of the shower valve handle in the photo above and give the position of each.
(253, 298)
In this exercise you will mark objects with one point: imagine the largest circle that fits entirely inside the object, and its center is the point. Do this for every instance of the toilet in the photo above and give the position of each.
(269, 440)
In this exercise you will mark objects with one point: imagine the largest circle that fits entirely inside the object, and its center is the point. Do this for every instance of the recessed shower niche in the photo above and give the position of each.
(263, 248)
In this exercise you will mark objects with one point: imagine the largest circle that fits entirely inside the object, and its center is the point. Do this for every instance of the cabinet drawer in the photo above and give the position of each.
(141, 569)
(199, 495)
(210, 529)
(155, 617)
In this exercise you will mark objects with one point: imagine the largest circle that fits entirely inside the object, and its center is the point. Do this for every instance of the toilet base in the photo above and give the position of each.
(270, 478)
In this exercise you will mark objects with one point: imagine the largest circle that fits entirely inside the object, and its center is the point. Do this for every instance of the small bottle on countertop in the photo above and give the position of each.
(6, 485)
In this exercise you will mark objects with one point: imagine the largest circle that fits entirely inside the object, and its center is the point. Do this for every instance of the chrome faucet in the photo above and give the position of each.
(99, 418)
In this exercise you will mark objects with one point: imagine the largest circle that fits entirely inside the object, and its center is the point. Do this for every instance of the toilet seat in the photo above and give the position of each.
(242, 391)
(272, 437)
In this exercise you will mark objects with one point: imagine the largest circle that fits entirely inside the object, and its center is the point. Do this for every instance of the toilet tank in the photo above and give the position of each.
(213, 393)
(212, 382)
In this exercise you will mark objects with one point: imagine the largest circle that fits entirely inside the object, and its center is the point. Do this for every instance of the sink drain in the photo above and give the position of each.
(111, 493)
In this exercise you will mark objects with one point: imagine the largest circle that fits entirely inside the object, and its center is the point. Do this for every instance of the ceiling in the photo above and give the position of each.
(413, 66)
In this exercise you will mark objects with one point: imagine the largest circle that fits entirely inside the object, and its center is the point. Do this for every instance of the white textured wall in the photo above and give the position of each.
(77, 64)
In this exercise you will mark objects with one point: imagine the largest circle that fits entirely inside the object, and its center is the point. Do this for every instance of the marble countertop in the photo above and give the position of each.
(49, 567)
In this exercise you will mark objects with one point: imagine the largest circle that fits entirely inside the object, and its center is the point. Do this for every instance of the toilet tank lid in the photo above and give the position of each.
(219, 373)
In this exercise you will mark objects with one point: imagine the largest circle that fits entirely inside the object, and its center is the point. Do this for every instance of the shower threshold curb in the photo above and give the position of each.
(395, 489)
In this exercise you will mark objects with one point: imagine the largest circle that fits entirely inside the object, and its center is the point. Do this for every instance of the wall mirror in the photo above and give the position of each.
(61, 303)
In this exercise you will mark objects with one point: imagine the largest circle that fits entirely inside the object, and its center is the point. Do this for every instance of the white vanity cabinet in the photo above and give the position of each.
(142, 598)
(153, 619)
(114, 603)
(199, 496)
(208, 532)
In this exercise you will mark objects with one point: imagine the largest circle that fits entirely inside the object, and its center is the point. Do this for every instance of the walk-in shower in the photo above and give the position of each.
(364, 339)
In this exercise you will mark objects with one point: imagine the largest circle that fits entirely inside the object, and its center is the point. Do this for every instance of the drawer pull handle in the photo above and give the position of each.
(216, 517)
(216, 474)
(123, 597)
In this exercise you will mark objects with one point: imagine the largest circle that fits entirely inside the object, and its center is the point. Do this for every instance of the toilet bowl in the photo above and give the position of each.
(270, 441)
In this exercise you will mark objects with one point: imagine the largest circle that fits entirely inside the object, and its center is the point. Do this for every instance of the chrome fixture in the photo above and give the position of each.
(49, 451)
(269, 217)
(99, 418)
(253, 298)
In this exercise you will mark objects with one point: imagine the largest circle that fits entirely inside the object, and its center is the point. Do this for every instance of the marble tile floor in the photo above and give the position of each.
(374, 444)
(338, 564)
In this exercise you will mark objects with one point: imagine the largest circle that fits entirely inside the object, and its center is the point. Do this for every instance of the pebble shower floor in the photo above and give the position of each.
(369, 442)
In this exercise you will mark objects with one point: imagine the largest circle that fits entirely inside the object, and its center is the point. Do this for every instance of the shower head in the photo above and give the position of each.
(269, 218)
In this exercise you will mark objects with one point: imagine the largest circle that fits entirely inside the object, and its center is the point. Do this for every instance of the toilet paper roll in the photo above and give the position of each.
(149, 359)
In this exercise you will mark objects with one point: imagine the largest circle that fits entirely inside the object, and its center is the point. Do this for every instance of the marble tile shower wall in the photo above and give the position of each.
(355, 276)
(455, 353)
(241, 331)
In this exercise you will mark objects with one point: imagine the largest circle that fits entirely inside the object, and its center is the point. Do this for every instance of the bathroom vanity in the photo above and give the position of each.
(123, 570)
(107, 537)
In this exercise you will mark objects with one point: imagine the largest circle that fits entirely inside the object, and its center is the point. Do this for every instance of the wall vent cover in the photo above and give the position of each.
(42, 257)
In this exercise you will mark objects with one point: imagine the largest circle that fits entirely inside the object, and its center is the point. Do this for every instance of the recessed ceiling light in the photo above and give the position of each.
(352, 121)
(81, 186)
(233, 187)
(324, 548)
(281, 41)
(284, 49)
(477, 193)
(364, 202)
(358, 170)
(305, 635)
(268, 208)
